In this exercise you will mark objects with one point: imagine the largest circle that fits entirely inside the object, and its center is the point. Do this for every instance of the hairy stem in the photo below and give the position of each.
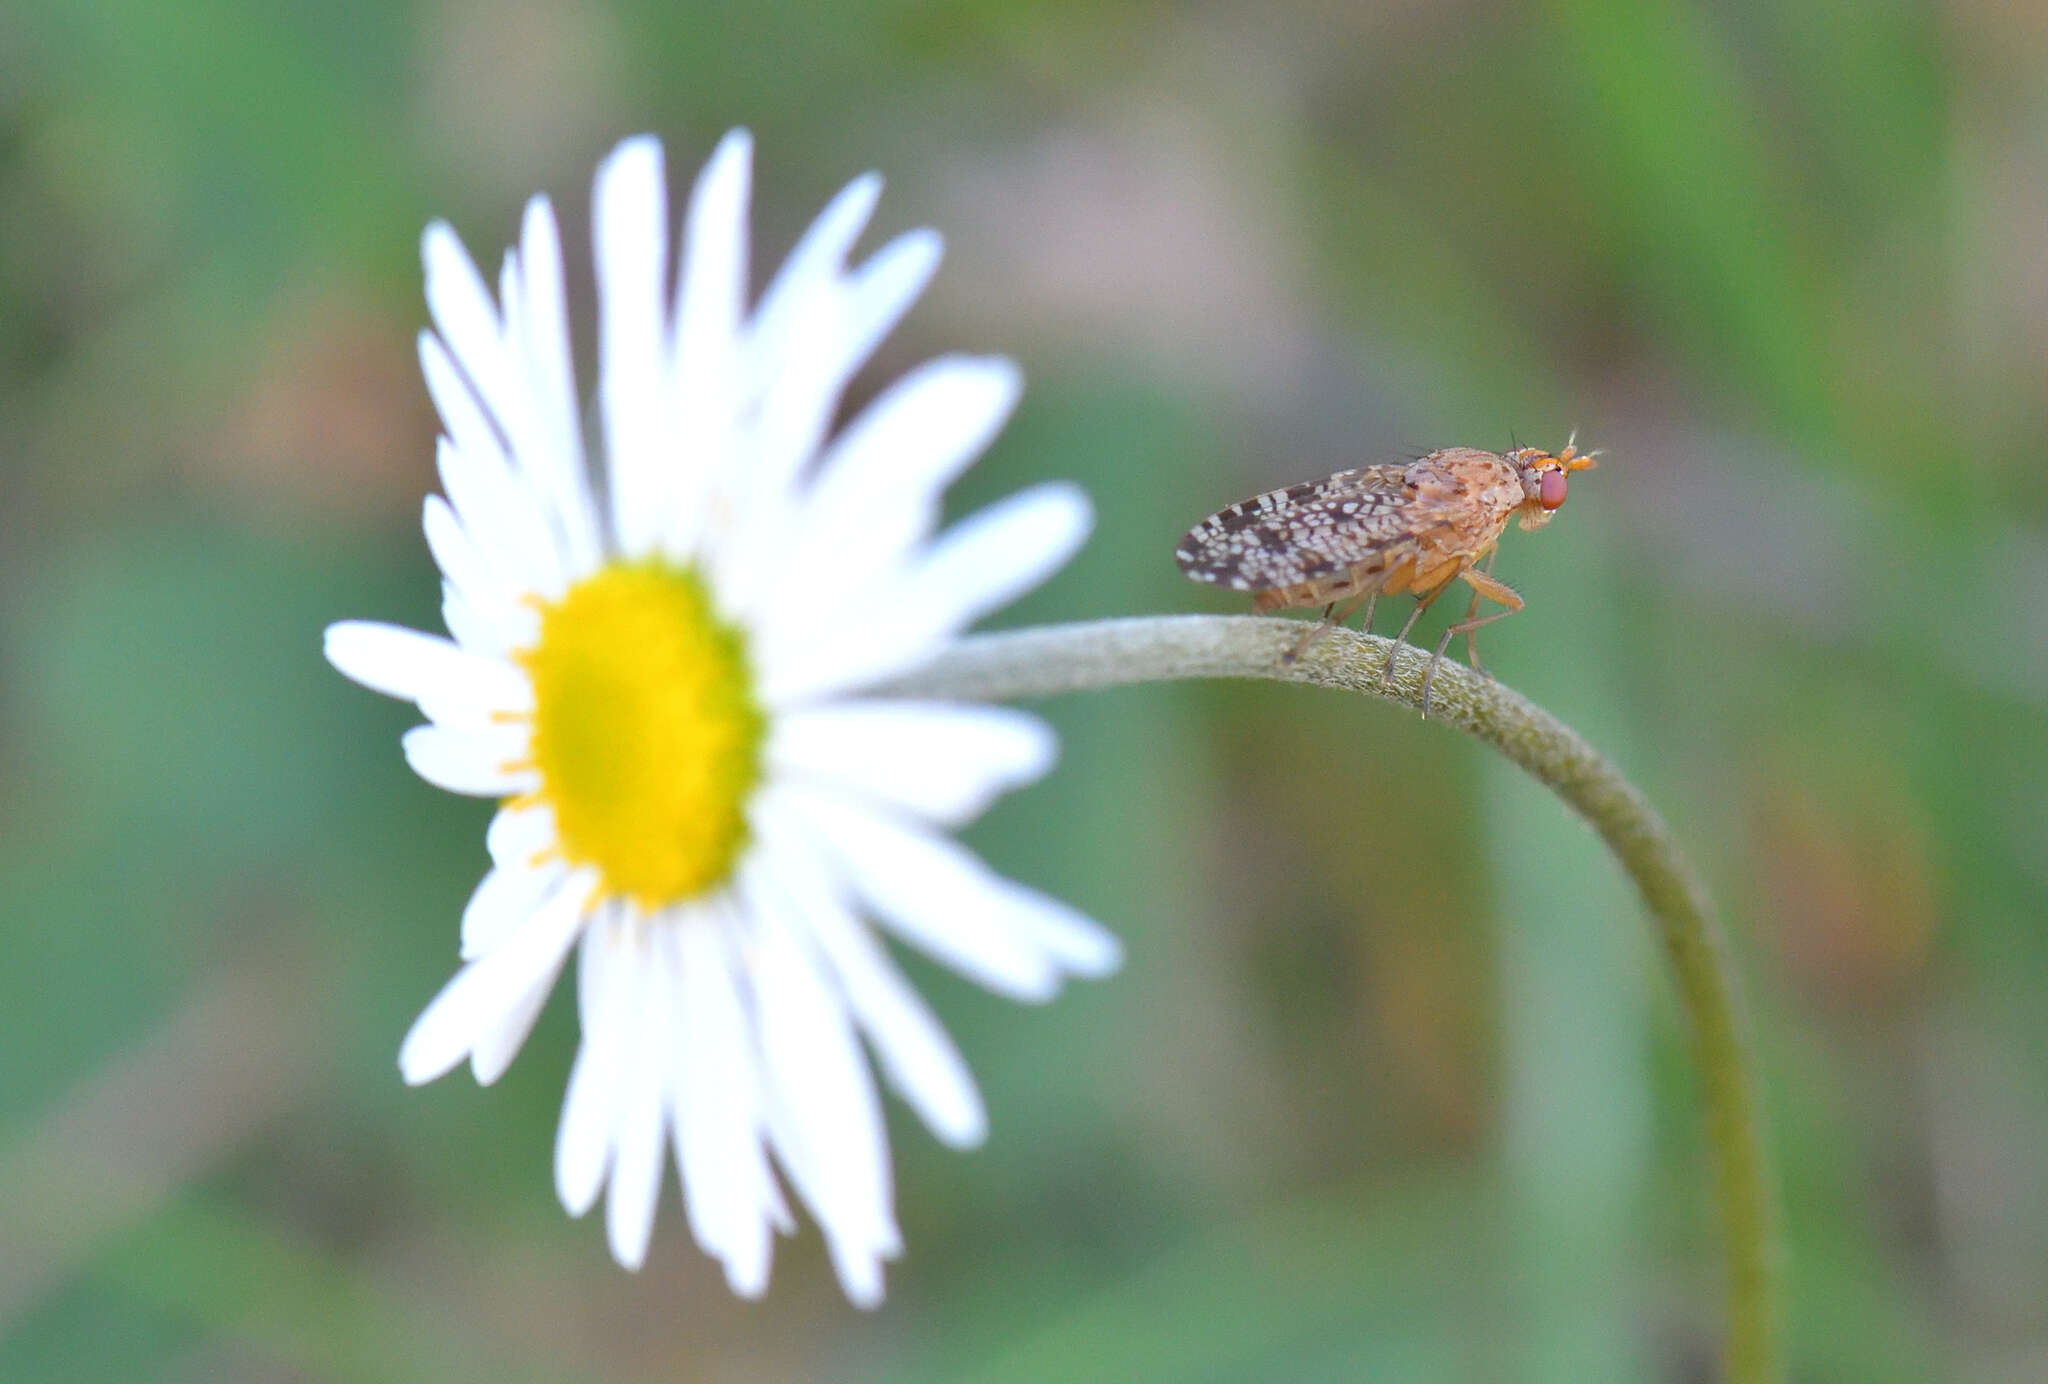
(1072, 658)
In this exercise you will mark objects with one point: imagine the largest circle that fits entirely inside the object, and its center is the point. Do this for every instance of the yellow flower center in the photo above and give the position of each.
(645, 731)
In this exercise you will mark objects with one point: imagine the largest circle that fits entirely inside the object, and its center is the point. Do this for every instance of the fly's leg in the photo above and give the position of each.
(1472, 609)
(1482, 585)
(1334, 614)
(1464, 627)
(1311, 635)
(1422, 603)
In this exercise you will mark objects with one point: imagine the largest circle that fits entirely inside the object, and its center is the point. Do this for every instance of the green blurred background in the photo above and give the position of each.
(1392, 1086)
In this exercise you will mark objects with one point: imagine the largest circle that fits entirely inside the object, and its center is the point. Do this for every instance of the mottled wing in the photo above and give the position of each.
(1309, 531)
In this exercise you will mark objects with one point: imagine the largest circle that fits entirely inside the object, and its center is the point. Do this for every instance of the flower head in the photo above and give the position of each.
(657, 661)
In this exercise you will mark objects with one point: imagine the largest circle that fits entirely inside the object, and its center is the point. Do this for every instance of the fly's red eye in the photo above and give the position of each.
(1550, 490)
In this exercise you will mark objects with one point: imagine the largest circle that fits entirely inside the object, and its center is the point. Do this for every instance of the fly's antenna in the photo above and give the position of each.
(1573, 458)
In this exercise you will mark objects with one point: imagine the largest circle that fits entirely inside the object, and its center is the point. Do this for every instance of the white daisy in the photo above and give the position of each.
(657, 664)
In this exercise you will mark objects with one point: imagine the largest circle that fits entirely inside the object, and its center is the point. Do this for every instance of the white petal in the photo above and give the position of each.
(469, 628)
(935, 895)
(831, 333)
(728, 1188)
(583, 1141)
(463, 313)
(460, 563)
(916, 1053)
(464, 568)
(823, 1092)
(492, 499)
(815, 262)
(530, 453)
(856, 1258)
(922, 1062)
(520, 836)
(711, 289)
(505, 898)
(943, 762)
(876, 494)
(485, 992)
(748, 551)
(480, 762)
(858, 1268)
(886, 286)
(981, 563)
(510, 288)
(814, 335)
(629, 227)
(500, 1043)
(504, 518)
(557, 464)
(465, 420)
(919, 434)
(804, 390)
(1077, 943)
(997, 554)
(449, 683)
(635, 1191)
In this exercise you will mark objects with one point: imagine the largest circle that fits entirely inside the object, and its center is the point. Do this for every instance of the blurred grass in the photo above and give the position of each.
(1389, 1088)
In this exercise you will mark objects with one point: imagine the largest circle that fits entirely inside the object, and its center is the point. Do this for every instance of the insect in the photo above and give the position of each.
(1381, 530)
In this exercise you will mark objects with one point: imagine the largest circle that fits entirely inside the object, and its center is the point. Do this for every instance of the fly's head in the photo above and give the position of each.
(1543, 480)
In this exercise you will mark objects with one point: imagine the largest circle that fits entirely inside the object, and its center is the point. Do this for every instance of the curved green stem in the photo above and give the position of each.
(1072, 658)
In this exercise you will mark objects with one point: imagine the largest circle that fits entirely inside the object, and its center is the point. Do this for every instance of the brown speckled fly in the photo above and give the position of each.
(1381, 530)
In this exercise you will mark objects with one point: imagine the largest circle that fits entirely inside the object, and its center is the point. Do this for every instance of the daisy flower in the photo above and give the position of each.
(656, 661)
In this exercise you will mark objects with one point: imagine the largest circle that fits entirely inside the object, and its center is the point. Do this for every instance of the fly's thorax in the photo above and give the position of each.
(1465, 468)
(1486, 489)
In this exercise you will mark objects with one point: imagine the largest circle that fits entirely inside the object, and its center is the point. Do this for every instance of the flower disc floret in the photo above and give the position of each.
(646, 732)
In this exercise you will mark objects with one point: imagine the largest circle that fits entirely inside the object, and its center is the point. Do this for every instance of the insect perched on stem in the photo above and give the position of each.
(1381, 530)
